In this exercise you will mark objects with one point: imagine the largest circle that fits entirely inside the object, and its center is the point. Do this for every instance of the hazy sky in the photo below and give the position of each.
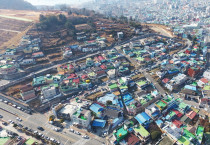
(53, 2)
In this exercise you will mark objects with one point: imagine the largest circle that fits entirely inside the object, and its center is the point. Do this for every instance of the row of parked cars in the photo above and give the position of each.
(78, 133)
(15, 106)
(41, 135)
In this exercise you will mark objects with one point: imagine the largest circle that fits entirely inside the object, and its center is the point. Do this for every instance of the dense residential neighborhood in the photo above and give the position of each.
(113, 82)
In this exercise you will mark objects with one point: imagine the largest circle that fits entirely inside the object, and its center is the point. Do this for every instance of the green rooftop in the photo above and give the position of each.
(38, 80)
(183, 141)
(29, 142)
(123, 87)
(3, 140)
(143, 101)
(83, 117)
(120, 134)
(113, 86)
(92, 74)
(188, 135)
(161, 105)
(182, 105)
(6, 66)
(76, 113)
(206, 88)
(141, 83)
(140, 58)
(172, 113)
(142, 131)
(199, 133)
(168, 99)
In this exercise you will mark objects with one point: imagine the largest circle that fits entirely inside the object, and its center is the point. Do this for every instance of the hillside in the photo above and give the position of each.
(16, 5)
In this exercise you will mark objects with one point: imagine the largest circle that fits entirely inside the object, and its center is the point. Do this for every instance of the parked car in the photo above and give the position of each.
(77, 132)
(71, 130)
(56, 129)
(4, 123)
(1, 116)
(19, 119)
(86, 137)
(40, 128)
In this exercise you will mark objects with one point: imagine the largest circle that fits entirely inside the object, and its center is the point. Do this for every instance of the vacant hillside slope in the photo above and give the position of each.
(16, 5)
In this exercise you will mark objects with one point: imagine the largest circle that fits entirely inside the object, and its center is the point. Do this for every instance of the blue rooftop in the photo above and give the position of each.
(142, 117)
(96, 108)
(99, 123)
(109, 97)
(190, 87)
(159, 122)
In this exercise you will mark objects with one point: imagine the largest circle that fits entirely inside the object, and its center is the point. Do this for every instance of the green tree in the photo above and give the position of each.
(69, 25)
(62, 18)
(42, 18)
(155, 134)
(108, 102)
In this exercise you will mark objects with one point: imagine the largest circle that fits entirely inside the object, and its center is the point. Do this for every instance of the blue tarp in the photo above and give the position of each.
(99, 123)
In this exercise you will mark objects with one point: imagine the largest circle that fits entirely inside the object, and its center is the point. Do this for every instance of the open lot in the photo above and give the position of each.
(16, 23)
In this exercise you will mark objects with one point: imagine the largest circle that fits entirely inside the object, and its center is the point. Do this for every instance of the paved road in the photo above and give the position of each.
(35, 120)
(156, 84)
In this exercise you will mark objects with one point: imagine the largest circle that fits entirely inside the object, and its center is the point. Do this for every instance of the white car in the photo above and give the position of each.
(35, 132)
(86, 137)
(71, 130)
(77, 132)
(19, 119)
(56, 129)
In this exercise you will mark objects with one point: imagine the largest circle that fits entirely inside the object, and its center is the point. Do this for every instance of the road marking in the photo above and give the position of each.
(66, 142)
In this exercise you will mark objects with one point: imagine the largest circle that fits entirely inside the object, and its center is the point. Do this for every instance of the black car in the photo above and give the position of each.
(40, 128)
(4, 123)
(1, 116)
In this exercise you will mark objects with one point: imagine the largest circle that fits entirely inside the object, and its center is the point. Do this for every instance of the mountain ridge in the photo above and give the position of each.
(16, 5)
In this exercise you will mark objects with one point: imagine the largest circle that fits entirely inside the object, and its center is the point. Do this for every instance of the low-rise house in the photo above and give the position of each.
(109, 99)
(132, 139)
(28, 61)
(49, 92)
(10, 51)
(99, 123)
(176, 81)
(38, 81)
(8, 69)
(120, 134)
(202, 82)
(173, 132)
(97, 109)
(27, 92)
(142, 133)
(143, 118)
(152, 111)
(206, 74)
(64, 112)
(113, 87)
(38, 54)
(112, 73)
(193, 71)
(82, 117)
